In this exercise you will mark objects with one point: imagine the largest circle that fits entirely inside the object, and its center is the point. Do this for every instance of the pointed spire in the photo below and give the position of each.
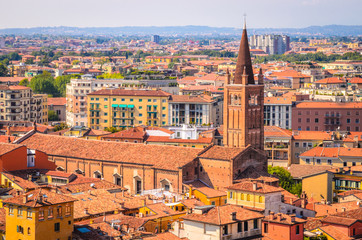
(244, 60)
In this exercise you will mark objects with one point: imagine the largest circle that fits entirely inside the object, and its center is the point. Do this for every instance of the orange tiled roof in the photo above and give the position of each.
(221, 215)
(207, 191)
(124, 92)
(48, 198)
(163, 157)
(335, 233)
(332, 80)
(311, 135)
(299, 171)
(163, 236)
(249, 187)
(59, 101)
(166, 139)
(333, 152)
(289, 73)
(218, 152)
(190, 98)
(356, 80)
(274, 131)
(8, 147)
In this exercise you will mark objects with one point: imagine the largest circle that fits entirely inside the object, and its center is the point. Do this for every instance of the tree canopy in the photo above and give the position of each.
(286, 181)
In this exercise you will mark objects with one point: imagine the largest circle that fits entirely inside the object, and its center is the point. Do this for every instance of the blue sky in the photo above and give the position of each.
(218, 13)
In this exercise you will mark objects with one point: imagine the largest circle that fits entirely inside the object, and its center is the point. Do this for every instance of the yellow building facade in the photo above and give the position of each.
(249, 199)
(39, 215)
(321, 191)
(122, 108)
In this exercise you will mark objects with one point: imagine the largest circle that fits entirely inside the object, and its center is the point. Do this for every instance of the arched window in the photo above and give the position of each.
(28, 230)
(137, 184)
(248, 197)
(242, 196)
(260, 199)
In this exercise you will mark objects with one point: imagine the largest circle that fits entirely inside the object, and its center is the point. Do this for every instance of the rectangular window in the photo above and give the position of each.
(255, 223)
(225, 230)
(114, 99)
(122, 99)
(105, 106)
(140, 100)
(348, 120)
(246, 226)
(265, 228)
(329, 161)
(105, 99)
(20, 211)
(131, 99)
(50, 213)
(140, 115)
(56, 227)
(316, 120)
(11, 210)
(297, 229)
(318, 161)
(239, 227)
(307, 161)
(149, 100)
(296, 144)
(97, 99)
(29, 213)
(231, 195)
(41, 214)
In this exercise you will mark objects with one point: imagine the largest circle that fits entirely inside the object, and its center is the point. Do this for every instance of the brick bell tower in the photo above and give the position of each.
(244, 103)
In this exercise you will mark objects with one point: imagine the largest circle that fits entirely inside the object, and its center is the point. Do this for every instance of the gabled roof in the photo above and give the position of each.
(332, 80)
(333, 152)
(162, 157)
(8, 147)
(225, 153)
(33, 199)
(248, 186)
(221, 215)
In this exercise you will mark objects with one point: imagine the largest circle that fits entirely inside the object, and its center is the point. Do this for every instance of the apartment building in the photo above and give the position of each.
(18, 103)
(271, 44)
(125, 108)
(77, 90)
(327, 116)
(199, 110)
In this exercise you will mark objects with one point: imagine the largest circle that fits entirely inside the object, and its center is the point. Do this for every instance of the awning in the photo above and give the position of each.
(155, 106)
(130, 106)
(114, 105)
(122, 105)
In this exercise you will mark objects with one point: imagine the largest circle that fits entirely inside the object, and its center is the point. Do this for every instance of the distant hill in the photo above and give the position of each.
(329, 30)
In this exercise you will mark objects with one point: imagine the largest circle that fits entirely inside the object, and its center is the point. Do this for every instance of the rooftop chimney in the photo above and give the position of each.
(233, 216)
(255, 186)
(85, 210)
(25, 199)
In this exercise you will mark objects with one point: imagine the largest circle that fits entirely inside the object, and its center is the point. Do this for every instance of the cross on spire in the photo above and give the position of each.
(244, 20)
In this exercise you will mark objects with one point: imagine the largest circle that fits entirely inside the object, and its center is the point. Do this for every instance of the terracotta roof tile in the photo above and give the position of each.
(221, 215)
(163, 157)
(124, 92)
(283, 219)
(59, 101)
(299, 171)
(33, 198)
(332, 152)
(218, 152)
(260, 187)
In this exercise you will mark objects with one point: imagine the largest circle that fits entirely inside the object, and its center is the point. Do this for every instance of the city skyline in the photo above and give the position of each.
(113, 13)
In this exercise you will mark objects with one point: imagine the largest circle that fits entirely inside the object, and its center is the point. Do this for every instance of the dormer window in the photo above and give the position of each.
(30, 158)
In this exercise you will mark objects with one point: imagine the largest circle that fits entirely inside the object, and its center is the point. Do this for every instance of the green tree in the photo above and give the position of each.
(60, 84)
(60, 127)
(29, 61)
(171, 65)
(286, 180)
(112, 129)
(44, 83)
(24, 82)
(3, 70)
(52, 116)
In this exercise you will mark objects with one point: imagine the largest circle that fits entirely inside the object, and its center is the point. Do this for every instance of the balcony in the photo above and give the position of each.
(333, 115)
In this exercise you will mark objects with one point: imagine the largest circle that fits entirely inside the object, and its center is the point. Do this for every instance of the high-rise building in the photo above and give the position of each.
(244, 103)
(271, 44)
(155, 39)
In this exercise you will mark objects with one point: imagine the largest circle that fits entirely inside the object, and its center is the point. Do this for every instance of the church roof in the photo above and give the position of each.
(244, 61)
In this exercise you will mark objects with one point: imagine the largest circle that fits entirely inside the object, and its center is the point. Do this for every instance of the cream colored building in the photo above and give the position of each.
(18, 103)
